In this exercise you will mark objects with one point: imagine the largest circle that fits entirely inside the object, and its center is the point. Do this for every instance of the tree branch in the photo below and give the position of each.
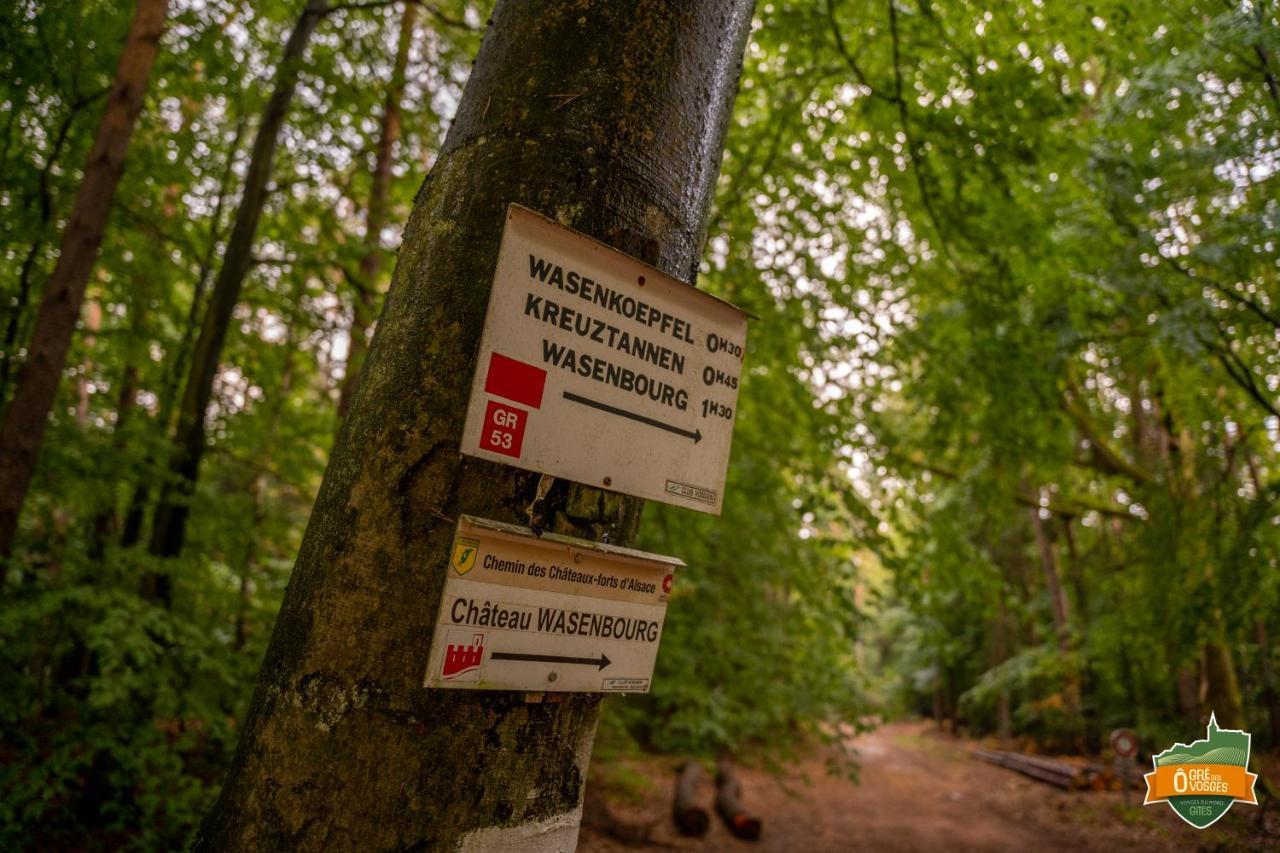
(1113, 461)
(851, 59)
(1239, 372)
(429, 8)
(1225, 290)
(1069, 507)
(914, 151)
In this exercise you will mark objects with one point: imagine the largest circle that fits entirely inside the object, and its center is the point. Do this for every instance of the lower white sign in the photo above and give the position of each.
(547, 613)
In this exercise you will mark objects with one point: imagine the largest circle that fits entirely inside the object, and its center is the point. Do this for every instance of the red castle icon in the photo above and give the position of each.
(462, 657)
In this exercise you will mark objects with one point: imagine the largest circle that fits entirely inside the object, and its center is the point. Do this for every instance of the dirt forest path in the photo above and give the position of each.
(922, 791)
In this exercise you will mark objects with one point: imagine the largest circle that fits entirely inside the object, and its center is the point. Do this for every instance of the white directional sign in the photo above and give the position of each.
(548, 613)
(598, 368)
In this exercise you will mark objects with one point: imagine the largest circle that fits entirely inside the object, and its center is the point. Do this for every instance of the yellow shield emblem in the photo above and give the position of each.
(464, 554)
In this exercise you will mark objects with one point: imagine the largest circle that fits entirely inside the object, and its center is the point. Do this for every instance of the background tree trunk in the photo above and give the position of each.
(1270, 695)
(105, 521)
(1053, 582)
(365, 303)
(611, 117)
(13, 326)
(37, 385)
(1222, 687)
(1188, 690)
(170, 524)
(1062, 628)
(1000, 654)
(175, 368)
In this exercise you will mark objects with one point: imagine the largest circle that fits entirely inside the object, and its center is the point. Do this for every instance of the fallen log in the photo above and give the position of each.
(729, 804)
(1051, 764)
(1063, 774)
(690, 818)
(1060, 774)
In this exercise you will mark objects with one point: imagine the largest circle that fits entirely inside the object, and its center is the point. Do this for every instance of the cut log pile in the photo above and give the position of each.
(1063, 774)
(690, 818)
(741, 822)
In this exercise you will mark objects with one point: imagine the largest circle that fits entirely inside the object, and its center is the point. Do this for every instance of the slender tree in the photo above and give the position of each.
(177, 360)
(170, 524)
(612, 117)
(365, 303)
(36, 388)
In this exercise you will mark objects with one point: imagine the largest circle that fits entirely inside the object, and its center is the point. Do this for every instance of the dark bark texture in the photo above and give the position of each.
(170, 523)
(37, 382)
(611, 118)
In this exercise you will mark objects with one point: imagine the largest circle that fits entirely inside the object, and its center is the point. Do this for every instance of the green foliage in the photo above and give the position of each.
(1079, 203)
(1001, 260)
(1034, 682)
(119, 715)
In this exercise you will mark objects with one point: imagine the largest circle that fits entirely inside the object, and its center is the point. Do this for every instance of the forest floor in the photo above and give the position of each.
(918, 790)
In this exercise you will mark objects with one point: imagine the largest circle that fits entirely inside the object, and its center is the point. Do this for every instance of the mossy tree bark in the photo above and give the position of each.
(610, 117)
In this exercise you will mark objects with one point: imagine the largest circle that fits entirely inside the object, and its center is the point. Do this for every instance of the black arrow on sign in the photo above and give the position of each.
(600, 662)
(696, 435)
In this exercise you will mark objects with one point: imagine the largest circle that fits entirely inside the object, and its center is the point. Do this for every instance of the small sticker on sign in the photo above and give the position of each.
(706, 496)
(624, 685)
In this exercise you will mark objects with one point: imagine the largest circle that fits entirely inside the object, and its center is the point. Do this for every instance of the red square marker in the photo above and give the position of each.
(503, 429)
(515, 380)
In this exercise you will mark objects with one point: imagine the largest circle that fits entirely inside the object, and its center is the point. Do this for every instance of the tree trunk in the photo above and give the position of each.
(278, 401)
(177, 360)
(1075, 571)
(37, 384)
(17, 311)
(1000, 653)
(1053, 582)
(365, 303)
(170, 525)
(1270, 694)
(1061, 624)
(1188, 690)
(1222, 687)
(611, 117)
(105, 521)
(88, 341)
